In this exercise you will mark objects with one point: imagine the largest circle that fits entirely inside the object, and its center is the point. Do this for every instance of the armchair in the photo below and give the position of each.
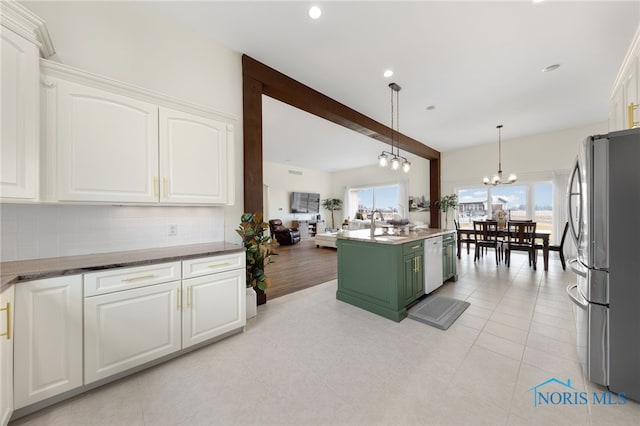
(282, 234)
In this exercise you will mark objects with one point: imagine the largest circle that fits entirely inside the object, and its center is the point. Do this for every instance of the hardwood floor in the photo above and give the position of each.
(300, 266)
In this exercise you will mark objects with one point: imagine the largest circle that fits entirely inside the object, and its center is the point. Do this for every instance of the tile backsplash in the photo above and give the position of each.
(41, 231)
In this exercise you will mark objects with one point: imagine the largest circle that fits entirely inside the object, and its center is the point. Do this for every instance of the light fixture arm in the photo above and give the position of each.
(499, 127)
(395, 88)
(497, 179)
(395, 153)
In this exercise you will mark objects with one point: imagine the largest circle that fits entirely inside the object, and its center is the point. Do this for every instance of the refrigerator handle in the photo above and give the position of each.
(575, 268)
(575, 181)
(574, 299)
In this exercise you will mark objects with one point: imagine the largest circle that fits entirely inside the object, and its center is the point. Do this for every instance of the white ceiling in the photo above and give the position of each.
(478, 62)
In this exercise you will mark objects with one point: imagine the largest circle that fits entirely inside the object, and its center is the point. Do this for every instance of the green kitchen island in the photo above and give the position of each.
(385, 273)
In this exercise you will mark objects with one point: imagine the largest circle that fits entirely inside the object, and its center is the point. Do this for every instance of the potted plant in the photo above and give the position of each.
(445, 203)
(332, 204)
(259, 249)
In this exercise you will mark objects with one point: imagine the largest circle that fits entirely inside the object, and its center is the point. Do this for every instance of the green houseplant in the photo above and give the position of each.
(259, 248)
(332, 204)
(445, 203)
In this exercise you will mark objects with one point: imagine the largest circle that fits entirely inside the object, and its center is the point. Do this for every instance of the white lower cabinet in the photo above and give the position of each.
(6, 354)
(48, 338)
(128, 328)
(135, 315)
(214, 304)
(132, 316)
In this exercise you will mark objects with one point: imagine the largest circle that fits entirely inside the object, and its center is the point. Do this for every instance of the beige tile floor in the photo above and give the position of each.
(308, 359)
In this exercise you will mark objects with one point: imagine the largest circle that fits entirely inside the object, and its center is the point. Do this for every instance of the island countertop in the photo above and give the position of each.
(381, 237)
(16, 271)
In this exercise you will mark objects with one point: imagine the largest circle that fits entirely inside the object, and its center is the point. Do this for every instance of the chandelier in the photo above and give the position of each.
(497, 178)
(383, 158)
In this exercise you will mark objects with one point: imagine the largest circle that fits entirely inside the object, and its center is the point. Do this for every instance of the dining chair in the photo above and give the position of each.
(521, 236)
(559, 247)
(461, 240)
(486, 236)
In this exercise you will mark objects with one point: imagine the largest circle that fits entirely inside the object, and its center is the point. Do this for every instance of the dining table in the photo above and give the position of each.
(540, 235)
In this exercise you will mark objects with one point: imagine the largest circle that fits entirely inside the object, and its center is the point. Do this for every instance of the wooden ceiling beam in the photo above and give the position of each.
(259, 79)
(285, 89)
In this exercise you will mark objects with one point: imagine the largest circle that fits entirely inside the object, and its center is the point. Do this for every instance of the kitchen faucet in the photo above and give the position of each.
(373, 221)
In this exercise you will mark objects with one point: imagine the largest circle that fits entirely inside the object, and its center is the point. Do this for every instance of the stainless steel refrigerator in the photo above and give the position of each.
(604, 218)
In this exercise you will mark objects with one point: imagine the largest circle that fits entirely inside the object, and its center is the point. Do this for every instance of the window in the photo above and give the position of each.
(384, 198)
(543, 214)
(509, 198)
(472, 205)
(520, 201)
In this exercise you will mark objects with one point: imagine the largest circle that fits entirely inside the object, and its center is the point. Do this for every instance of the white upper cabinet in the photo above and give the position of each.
(193, 158)
(19, 156)
(107, 141)
(22, 37)
(624, 106)
(107, 146)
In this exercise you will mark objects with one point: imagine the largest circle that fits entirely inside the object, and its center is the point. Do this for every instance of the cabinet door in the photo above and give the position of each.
(19, 115)
(409, 271)
(193, 159)
(617, 109)
(125, 329)
(449, 259)
(630, 94)
(213, 305)
(632, 90)
(6, 354)
(418, 280)
(48, 338)
(107, 146)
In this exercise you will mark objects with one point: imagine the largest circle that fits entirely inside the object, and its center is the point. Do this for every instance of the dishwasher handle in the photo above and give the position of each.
(574, 299)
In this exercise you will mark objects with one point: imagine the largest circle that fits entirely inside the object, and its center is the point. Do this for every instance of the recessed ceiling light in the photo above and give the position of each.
(537, 1)
(551, 68)
(431, 107)
(388, 73)
(314, 12)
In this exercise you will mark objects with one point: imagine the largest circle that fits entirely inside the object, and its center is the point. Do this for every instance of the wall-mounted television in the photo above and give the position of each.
(305, 202)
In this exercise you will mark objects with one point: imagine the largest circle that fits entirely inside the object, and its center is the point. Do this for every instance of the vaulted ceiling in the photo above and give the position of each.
(478, 63)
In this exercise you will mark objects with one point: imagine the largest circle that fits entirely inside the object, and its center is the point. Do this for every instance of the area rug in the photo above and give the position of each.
(438, 311)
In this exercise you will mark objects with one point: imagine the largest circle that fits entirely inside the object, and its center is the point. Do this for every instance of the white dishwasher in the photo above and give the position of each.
(432, 263)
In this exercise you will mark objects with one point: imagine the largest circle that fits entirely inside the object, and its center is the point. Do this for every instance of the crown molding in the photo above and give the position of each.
(22, 21)
(55, 69)
(634, 50)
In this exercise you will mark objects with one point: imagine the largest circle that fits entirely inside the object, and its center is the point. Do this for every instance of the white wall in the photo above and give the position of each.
(418, 178)
(281, 183)
(124, 41)
(531, 158)
(41, 231)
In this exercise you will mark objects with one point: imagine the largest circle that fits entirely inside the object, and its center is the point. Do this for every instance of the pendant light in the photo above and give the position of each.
(383, 158)
(497, 178)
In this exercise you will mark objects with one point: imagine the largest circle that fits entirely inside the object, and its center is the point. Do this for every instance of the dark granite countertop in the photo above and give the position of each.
(27, 270)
